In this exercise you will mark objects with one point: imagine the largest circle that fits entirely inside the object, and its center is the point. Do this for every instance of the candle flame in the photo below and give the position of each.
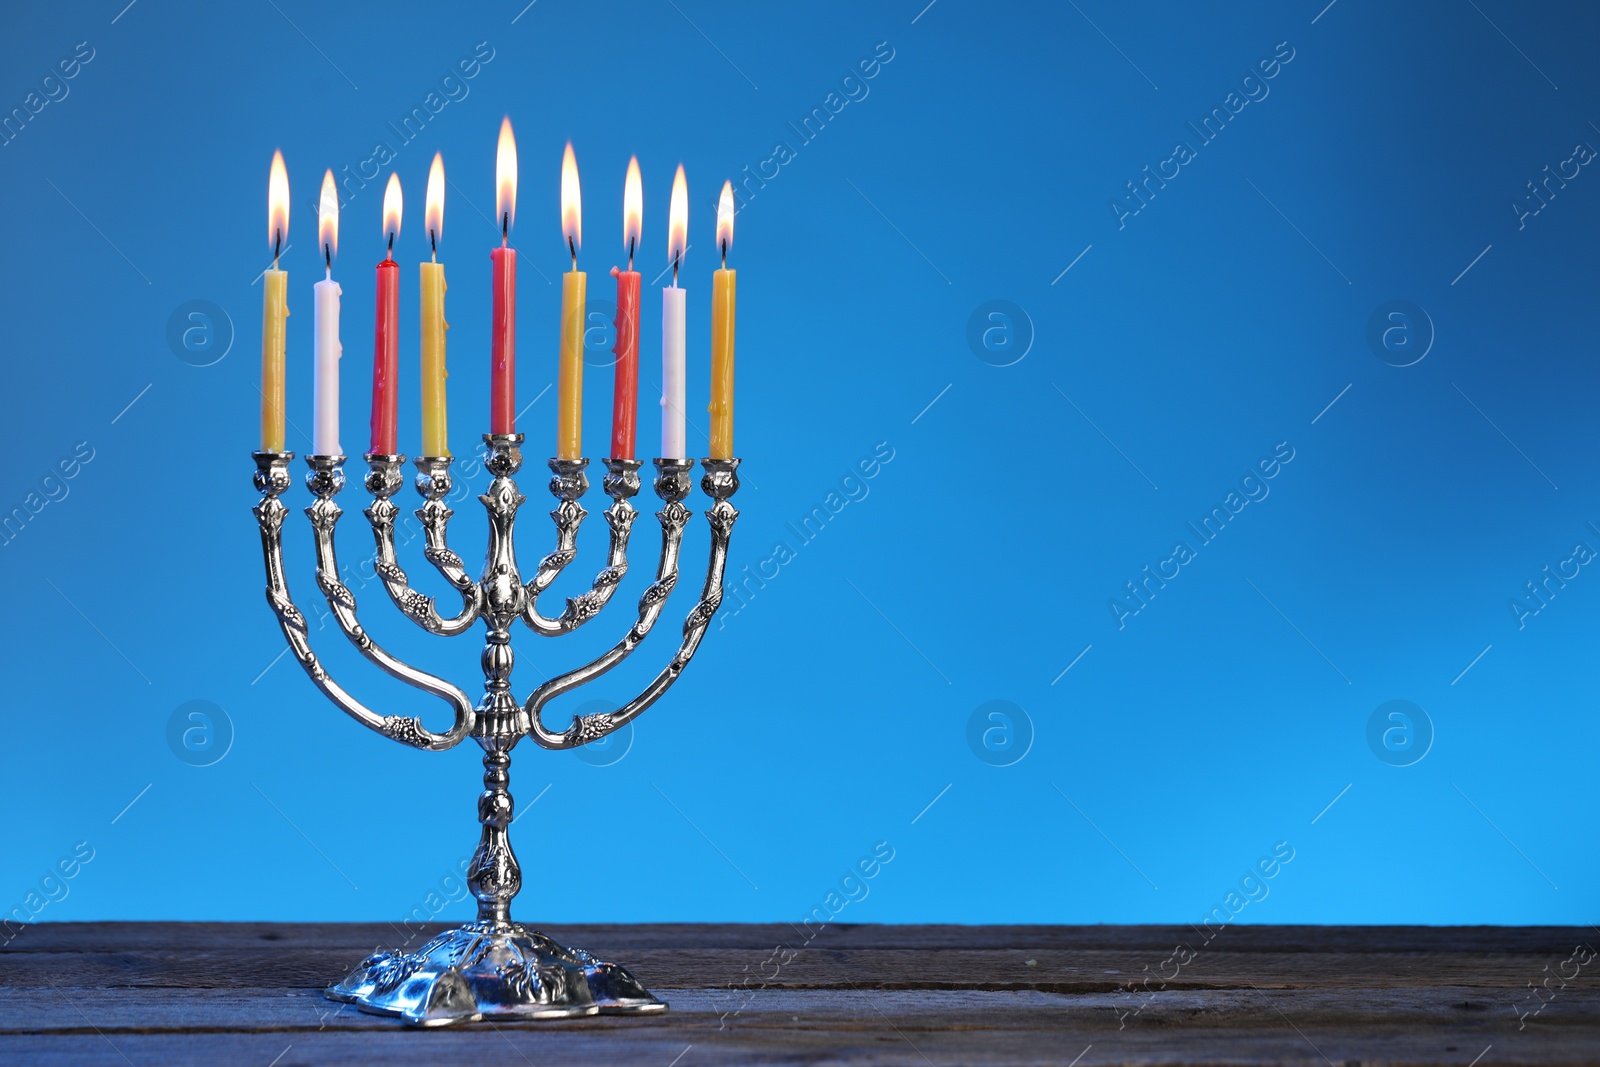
(571, 200)
(632, 208)
(328, 218)
(277, 204)
(678, 218)
(725, 219)
(505, 177)
(393, 205)
(433, 213)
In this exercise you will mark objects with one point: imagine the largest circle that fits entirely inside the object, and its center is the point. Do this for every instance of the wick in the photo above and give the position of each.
(277, 246)
(327, 257)
(390, 254)
(433, 240)
(631, 242)
(505, 226)
(724, 254)
(675, 255)
(574, 248)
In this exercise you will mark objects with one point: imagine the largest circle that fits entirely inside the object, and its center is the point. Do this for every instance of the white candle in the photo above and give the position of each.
(672, 374)
(672, 318)
(325, 429)
(325, 433)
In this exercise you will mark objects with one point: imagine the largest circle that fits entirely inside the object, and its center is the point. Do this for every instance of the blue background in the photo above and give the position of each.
(831, 711)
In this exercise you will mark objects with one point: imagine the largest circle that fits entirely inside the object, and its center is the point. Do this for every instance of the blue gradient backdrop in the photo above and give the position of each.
(832, 705)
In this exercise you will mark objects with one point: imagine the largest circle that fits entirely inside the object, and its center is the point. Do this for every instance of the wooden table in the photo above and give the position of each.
(250, 993)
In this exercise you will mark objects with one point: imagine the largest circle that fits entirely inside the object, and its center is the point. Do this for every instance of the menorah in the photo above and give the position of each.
(494, 968)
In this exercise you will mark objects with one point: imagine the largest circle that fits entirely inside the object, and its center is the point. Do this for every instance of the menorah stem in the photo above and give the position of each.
(503, 596)
(494, 877)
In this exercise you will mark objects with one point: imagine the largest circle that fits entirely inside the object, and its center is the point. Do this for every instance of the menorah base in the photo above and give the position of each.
(486, 970)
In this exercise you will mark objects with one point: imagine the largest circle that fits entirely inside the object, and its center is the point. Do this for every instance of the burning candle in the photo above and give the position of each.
(274, 310)
(574, 286)
(503, 357)
(386, 334)
(672, 320)
(723, 287)
(625, 402)
(435, 435)
(325, 317)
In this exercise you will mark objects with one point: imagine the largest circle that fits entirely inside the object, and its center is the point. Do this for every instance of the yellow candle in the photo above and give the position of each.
(435, 432)
(274, 309)
(435, 429)
(723, 286)
(574, 285)
(274, 312)
(569, 434)
(723, 297)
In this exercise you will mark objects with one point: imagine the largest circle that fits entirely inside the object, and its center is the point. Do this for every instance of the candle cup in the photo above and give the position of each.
(384, 476)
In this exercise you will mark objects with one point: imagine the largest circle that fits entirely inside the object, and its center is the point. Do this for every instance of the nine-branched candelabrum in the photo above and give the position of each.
(493, 967)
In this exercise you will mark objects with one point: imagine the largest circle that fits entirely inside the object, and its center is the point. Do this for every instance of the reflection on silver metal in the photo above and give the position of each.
(494, 968)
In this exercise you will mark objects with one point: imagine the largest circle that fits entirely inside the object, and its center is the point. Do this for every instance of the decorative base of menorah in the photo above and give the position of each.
(486, 970)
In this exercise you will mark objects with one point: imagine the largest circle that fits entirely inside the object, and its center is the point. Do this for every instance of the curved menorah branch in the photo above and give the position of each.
(720, 481)
(433, 482)
(271, 480)
(621, 483)
(567, 484)
(671, 485)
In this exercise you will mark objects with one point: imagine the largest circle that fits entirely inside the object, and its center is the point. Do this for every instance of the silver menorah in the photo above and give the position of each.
(494, 968)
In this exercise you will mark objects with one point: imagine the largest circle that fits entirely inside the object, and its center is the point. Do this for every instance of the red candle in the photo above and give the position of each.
(386, 334)
(625, 404)
(503, 380)
(503, 357)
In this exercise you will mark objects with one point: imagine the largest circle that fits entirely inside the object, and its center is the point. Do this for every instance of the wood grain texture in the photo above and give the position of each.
(205, 993)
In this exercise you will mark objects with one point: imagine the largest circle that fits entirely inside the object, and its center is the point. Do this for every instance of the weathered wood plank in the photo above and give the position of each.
(135, 993)
(828, 967)
(113, 1011)
(882, 1045)
(358, 937)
